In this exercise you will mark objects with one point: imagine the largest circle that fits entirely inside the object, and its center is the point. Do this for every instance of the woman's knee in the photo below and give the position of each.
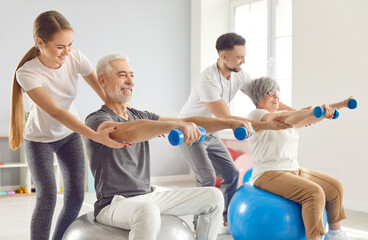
(338, 190)
(334, 192)
(73, 202)
(317, 194)
(74, 195)
(46, 199)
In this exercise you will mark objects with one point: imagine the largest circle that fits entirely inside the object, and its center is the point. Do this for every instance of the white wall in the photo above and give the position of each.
(329, 64)
(155, 34)
(209, 20)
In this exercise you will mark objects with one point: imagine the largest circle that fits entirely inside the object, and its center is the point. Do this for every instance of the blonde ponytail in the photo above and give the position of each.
(17, 115)
(46, 25)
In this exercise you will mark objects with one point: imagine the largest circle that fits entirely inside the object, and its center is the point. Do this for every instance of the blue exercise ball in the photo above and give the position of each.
(259, 215)
(248, 176)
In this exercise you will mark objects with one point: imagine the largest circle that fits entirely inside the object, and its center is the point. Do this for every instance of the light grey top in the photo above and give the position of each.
(211, 87)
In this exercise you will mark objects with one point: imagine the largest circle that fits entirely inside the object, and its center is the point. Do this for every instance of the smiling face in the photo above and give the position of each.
(54, 53)
(233, 59)
(270, 102)
(118, 82)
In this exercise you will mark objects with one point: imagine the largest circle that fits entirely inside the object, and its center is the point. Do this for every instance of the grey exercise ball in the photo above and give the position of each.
(86, 227)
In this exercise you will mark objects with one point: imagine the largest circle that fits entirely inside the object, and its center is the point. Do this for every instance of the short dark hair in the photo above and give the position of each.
(227, 41)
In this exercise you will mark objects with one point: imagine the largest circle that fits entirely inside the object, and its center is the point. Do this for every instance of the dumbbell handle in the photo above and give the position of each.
(319, 112)
(176, 136)
(241, 133)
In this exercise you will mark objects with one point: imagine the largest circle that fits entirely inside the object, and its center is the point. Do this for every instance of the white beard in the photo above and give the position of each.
(117, 97)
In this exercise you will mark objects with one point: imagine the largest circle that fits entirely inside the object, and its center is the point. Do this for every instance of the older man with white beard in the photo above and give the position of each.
(125, 197)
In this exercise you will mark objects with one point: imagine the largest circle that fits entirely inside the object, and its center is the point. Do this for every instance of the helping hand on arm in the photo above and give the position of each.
(45, 101)
(143, 130)
(221, 110)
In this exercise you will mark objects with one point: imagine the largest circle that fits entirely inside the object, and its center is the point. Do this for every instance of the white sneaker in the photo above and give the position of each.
(336, 235)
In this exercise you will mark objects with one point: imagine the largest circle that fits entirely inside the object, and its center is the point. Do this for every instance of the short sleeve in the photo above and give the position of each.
(95, 119)
(151, 116)
(257, 114)
(208, 88)
(27, 79)
(246, 81)
(144, 114)
(85, 66)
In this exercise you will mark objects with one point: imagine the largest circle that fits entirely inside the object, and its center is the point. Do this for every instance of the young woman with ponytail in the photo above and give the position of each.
(48, 74)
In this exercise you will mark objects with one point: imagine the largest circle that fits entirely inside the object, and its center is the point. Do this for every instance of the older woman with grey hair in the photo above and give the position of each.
(276, 168)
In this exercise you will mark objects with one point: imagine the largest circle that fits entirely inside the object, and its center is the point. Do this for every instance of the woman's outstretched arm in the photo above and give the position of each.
(304, 117)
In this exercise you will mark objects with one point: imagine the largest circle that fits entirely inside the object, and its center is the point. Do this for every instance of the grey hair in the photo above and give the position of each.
(258, 88)
(103, 65)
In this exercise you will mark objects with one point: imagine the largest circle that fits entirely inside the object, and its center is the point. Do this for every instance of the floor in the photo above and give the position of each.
(15, 215)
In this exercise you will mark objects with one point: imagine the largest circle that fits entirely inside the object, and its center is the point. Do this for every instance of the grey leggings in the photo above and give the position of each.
(70, 154)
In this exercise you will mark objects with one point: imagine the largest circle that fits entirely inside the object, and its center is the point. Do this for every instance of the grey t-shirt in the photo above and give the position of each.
(124, 171)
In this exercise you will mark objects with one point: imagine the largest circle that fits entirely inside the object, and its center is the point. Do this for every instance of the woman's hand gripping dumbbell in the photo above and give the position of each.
(350, 103)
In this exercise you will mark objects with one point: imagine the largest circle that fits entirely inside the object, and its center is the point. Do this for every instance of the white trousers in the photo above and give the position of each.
(141, 214)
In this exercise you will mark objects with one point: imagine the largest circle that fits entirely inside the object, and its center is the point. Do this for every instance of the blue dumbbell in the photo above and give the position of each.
(319, 112)
(241, 133)
(176, 137)
(352, 103)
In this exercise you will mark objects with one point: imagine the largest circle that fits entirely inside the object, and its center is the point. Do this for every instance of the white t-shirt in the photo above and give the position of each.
(61, 84)
(210, 87)
(273, 150)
